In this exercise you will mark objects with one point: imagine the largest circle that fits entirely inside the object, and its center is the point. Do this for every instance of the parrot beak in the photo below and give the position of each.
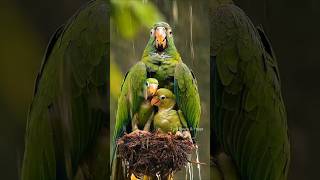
(155, 101)
(152, 89)
(161, 40)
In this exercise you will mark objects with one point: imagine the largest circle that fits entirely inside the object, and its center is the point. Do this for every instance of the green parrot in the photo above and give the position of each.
(160, 60)
(66, 132)
(134, 99)
(142, 119)
(164, 63)
(249, 131)
(167, 119)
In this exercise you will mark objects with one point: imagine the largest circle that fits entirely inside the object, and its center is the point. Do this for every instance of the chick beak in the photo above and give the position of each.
(155, 101)
(161, 41)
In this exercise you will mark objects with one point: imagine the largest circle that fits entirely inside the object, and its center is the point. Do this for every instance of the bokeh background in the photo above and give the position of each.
(292, 26)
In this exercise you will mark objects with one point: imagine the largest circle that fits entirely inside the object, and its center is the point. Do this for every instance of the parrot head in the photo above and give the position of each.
(151, 87)
(161, 38)
(164, 99)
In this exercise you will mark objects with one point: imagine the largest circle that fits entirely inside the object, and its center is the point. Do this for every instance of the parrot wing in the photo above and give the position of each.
(130, 98)
(182, 119)
(249, 115)
(70, 106)
(187, 96)
(129, 103)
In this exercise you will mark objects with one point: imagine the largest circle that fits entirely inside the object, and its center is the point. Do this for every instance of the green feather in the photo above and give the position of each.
(69, 108)
(188, 99)
(129, 103)
(130, 99)
(249, 114)
(166, 119)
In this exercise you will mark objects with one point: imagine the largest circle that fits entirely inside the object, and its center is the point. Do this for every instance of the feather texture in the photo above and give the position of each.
(187, 96)
(249, 114)
(69, 111)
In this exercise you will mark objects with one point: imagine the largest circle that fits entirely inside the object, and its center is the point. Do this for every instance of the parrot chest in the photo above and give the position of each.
(162, 67)
(167, 121)
(144, 113)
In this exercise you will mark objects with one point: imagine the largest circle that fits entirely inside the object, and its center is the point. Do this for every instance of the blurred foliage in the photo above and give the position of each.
(116, 78)
(19, 44)
(19, 48)
(131, 15)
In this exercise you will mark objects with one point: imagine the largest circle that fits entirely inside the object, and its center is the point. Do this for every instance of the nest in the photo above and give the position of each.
(154, 153)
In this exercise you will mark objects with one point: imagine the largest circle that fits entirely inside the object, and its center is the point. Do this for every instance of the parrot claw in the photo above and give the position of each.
(138, 132)
(186, 135)
(179, 134)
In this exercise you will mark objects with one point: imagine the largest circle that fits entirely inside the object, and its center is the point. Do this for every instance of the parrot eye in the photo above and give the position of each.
(151, 32)
(170, 32)
(162, 97)
(147, 84)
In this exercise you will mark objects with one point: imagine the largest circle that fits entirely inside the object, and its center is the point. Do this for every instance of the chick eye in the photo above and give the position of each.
(170, 32)
(162, 97)
(151, 32)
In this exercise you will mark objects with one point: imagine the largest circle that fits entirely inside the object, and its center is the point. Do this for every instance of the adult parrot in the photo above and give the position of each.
(160, 60)
(167, 119)
(66, 133)
(164, 63)
(250, 133)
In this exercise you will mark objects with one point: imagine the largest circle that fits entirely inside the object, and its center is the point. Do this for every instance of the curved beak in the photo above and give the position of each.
(152, 89)
(155, 101)
(160, 37)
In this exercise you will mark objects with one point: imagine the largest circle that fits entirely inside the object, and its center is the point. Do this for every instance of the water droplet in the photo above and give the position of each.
(123, 167)
(158, 176)
(191, 33)
(175, 11)
(191, 177)
(198, 162)
(133, 49)
(127, 168)
(190, 171)
(186, 167)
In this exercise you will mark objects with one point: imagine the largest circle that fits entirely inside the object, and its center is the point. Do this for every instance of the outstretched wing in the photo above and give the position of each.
(187, 96)
(70, 106)
(249, 114)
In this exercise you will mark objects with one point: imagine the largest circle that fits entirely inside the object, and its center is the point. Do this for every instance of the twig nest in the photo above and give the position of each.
(154, 153)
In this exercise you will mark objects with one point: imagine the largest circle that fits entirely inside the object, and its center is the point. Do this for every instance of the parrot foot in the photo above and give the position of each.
(187, 135)
(178, 133)
(138, 132)
(184, 135)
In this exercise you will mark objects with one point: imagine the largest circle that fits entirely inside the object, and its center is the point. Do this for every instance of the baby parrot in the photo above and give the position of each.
(143, 118)
(167, 119)
(138, 104)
